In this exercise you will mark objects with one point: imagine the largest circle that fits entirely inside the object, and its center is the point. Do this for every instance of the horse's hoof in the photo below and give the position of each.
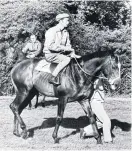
(35, 106)
(16, 134)
(24, 135)
(99, 141)
(108, 142)
(56, 141)
(30, 108)
(43, 104)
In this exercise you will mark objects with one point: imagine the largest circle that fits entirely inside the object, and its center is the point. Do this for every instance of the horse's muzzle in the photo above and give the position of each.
(115, 84)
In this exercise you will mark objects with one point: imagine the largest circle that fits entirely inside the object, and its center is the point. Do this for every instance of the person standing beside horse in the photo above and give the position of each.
(57, 44)
(32, 48)
(102, 118)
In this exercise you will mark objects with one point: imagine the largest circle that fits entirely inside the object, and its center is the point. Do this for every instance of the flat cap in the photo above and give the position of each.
(61, 16)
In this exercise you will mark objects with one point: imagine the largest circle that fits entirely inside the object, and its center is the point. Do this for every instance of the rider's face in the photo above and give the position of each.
(33, 38)
(65, 22)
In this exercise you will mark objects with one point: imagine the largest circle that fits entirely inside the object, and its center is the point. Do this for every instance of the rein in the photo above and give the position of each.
(88, 73)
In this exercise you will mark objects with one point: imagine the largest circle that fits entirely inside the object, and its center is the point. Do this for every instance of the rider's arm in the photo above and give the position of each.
(52, 44)
(50, 41)
(68, 46)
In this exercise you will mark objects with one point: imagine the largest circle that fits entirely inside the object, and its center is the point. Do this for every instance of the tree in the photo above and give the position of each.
(95, 26)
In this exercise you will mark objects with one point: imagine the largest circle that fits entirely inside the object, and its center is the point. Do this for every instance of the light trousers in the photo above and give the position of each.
(61, 60)
(103, 121)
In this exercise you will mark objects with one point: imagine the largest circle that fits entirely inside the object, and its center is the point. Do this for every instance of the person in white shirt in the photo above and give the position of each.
(56, 44)
(32, 48)
(102, 119)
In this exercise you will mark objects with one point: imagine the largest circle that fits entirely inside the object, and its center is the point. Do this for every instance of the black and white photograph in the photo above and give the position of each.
(65, 75)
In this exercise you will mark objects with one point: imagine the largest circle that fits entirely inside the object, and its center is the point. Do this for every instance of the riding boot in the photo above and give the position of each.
(55, 81)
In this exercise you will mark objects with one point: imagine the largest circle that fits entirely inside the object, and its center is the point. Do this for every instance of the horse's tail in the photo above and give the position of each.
(12, 80)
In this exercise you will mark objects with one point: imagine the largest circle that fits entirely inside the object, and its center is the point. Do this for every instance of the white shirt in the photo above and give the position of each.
(98, 94)
(56, 39)
(32, 48)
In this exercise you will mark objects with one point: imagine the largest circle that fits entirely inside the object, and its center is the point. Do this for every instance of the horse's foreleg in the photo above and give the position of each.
(87, 109)
(61, 106)
(37, 96)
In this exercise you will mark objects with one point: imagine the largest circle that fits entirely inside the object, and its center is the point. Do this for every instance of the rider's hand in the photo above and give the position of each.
(31, 56)
(68, 49)
(71, 49)
(65, 49)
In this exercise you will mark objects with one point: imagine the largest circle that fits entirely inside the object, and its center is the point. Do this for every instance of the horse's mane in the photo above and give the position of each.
(97, 54)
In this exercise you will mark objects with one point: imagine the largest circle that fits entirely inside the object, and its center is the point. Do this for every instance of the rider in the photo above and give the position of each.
(56, 44)
(32, 48)
(102, 118)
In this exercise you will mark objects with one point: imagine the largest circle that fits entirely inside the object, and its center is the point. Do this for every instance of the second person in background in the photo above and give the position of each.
(32, 48)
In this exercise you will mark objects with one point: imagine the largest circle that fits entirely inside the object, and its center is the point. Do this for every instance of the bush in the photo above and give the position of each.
(21, 18)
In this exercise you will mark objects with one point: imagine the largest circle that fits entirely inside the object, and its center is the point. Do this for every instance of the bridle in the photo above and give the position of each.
(100, 77)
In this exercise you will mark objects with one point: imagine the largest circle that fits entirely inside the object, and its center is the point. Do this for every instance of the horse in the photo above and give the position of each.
(77, 82)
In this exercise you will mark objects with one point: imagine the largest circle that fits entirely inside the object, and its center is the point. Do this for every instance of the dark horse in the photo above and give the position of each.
(76, 85)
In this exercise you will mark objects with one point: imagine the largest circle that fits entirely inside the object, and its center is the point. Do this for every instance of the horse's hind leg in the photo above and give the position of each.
(15, 131)
(87, 109)
(61, 106)
(43, 101)
(15, 107)
(37, 97)
(16, 124)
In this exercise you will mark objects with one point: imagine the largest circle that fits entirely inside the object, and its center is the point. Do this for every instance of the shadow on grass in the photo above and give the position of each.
(124, 126)
(76, 124)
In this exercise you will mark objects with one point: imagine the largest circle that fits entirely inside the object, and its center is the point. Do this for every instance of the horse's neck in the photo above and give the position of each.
(93, 66)
(87, 72)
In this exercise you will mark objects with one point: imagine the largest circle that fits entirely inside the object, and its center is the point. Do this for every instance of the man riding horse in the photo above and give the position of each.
(76, 82)
(56, 44)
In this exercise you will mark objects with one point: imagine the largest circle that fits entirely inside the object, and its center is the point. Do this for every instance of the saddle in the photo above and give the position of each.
(45, 66)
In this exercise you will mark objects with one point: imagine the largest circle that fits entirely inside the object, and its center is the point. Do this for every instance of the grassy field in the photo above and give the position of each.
(41, 121)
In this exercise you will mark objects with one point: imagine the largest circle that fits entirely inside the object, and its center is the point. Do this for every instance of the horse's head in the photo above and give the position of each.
(112, 71)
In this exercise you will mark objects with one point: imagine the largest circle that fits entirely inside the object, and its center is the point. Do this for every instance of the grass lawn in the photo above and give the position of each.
(41, 121)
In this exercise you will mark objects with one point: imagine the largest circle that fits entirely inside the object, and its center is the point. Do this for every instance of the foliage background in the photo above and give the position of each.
(95, 26)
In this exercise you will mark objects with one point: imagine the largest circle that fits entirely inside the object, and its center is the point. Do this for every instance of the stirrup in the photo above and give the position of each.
(53, 81)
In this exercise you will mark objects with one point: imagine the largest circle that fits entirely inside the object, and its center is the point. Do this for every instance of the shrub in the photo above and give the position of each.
(21, 18)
